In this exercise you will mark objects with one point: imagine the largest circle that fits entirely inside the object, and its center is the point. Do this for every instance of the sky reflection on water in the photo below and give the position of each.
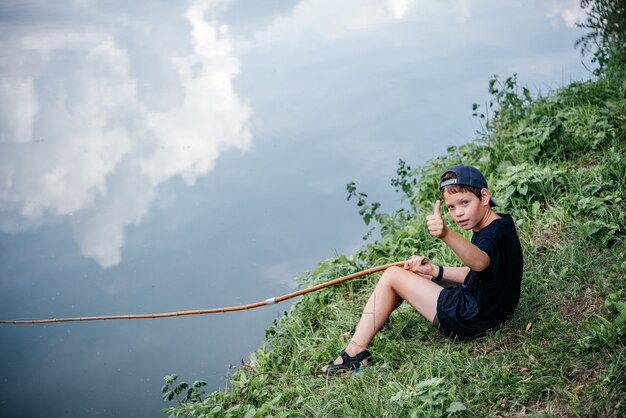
(182, 155)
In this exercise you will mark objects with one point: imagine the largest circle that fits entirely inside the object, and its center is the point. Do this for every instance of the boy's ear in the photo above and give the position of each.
(485, 196)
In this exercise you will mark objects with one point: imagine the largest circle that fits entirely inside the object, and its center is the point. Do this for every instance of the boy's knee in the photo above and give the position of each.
(393, 271)
(390, 273)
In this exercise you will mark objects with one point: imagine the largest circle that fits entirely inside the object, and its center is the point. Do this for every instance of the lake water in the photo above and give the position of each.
(165, 156)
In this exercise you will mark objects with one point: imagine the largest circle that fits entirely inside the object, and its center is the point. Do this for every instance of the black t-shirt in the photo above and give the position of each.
(486, 298)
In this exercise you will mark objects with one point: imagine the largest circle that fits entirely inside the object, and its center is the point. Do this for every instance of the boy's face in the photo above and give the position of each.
(467, 210)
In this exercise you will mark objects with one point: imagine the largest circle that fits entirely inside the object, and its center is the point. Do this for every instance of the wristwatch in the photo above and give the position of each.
(439, 275)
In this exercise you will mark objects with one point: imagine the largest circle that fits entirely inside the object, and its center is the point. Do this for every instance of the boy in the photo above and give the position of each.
(488, 285)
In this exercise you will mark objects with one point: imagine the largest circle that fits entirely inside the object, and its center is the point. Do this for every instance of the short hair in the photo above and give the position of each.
(458, 188)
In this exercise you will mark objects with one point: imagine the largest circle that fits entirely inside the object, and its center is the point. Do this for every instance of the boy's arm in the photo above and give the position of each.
(455, 274)
(472, 256)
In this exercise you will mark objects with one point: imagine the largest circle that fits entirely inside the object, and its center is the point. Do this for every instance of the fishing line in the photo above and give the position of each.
(269, 301)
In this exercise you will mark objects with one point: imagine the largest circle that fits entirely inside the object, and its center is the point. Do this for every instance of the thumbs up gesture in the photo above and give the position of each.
(436, 226)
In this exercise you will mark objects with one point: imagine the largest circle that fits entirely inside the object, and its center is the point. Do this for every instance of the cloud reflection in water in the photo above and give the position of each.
(79, 139)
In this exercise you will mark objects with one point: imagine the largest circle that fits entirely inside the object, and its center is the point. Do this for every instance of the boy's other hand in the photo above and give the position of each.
(420, 265)
(436, 226)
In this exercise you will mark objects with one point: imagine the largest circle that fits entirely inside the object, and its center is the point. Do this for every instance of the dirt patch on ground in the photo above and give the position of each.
(583, 307)
(552, 408)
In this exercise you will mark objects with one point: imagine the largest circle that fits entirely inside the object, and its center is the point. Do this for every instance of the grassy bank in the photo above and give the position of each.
(557, 163)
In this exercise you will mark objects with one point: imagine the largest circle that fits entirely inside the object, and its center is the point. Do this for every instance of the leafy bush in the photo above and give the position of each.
(606, 40)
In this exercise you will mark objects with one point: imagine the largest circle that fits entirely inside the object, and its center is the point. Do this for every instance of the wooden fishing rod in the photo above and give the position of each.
(265, 302)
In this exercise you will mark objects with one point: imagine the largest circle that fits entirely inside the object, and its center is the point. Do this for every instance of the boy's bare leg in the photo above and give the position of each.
(395, 285)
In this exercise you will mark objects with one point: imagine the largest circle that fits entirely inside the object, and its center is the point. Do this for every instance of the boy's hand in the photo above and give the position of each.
(436, 226)
(420, 265)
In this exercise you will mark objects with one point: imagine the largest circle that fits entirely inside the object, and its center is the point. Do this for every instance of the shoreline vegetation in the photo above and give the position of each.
(557, 163)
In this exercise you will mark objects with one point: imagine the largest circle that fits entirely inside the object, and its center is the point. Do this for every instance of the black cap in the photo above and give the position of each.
(466, 175)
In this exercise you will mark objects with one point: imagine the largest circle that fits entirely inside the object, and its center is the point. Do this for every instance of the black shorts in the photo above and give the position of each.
(453, 335)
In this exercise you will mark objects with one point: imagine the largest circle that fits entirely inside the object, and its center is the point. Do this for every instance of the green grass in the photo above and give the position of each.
(558, 164)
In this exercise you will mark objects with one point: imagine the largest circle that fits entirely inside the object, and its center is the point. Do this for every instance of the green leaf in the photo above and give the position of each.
(170, 378)
(621, 308)
(456, 407)
(199, 383)
(397, 397)
(523, 189)
(251, 412)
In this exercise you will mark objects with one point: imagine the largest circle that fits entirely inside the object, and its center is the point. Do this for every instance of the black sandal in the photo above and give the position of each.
(348, 364)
